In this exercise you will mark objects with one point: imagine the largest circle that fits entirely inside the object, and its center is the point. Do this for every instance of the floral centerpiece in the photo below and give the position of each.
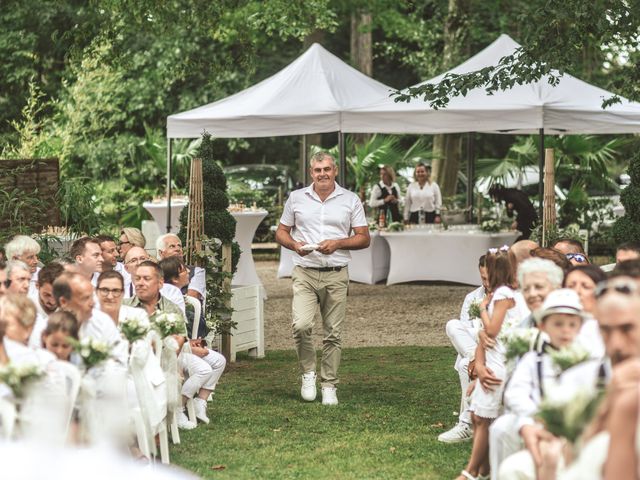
(566, 414)
(490, 225)
(519, 341)
(19, 377)
(168, 324)
(569, 356)
(91, 351)
(133, 329)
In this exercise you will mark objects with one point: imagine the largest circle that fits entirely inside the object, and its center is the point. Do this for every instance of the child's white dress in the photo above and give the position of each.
(489, 404)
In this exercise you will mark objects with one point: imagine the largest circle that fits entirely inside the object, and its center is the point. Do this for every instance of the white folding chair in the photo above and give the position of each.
(197, 312)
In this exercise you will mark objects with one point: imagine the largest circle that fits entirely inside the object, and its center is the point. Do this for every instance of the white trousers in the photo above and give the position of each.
(463, 339)
(519, 466)
(504, 441)
(202, 372)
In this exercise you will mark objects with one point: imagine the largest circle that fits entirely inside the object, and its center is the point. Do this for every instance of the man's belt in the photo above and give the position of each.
(327, 269)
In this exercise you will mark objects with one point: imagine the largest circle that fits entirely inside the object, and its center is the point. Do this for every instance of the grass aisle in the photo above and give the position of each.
(394, 402)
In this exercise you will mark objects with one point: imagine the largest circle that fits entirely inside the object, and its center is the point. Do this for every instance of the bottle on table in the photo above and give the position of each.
(421, 217)
(382, 219)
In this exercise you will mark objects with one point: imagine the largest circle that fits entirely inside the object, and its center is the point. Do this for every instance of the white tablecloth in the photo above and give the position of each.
(369, 265)
(246, 225)
(159, 213)
(449, 255)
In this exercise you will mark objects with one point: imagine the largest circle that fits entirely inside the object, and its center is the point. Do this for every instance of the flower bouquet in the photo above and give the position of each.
(490, 225)
(91, 351)
(133, 329)
(567, 414)
(19, 377)
(569, 356)
(519, 341)
(168, 324)
(474, 309)
(395, 227)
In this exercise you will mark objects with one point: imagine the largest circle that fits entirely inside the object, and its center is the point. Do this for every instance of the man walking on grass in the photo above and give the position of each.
(316, 224)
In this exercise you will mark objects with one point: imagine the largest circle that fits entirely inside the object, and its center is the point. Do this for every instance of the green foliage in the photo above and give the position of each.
(77, 204)
(627, 227)
(18, 211)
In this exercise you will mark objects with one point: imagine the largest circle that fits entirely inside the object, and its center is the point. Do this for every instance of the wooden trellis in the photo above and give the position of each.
(195, 218)
(549, 203)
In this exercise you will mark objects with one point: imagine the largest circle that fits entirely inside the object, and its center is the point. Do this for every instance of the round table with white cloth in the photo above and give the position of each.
(431, 253)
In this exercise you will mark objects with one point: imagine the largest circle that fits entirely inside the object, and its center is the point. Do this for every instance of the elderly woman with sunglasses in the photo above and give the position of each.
(584, 279)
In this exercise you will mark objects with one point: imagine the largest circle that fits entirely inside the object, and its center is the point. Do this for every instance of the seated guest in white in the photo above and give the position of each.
(423, 197)
(25, 249)
(464, 338)
(170, 245)
(537, 278)
(627, 251)
(135, 256)
(385, 196)
(74, 293)
(61, 326)
(87, 255)
(3, 278)
(130, 237)
(560, 317)
(18, 277)
(44, 300)
(584, 279)
(109, 253)
(203, 367)
(618, 315)
(110, 294)
(176, 277)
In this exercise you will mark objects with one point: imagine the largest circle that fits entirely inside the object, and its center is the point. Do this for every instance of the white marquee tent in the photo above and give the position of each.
(571, 107)
(308, 96)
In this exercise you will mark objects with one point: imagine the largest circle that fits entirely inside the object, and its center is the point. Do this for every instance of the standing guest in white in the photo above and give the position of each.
(463, 333)
(316, 224)
(25, 249)
(385, 196)
(423, 200)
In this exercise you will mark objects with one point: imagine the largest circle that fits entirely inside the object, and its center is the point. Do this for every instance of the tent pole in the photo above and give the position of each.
(471, 170)
(168, 185)
(305, 161)
(343, 162)
(541, 174)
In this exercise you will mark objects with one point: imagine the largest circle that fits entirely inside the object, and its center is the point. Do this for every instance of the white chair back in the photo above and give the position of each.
(197, 312)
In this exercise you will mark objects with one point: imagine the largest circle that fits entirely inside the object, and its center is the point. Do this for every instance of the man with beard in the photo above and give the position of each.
(44, 300)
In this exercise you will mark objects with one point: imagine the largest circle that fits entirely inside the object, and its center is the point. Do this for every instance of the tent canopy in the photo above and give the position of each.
(308, 96)
(571, 107)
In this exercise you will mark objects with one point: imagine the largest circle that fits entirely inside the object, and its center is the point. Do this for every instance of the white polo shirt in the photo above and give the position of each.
(313, 221)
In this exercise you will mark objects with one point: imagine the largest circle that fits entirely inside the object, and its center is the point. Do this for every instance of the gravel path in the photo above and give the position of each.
(377, 315)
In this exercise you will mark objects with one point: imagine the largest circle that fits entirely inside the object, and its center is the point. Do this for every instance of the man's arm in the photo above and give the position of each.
(359, 240)
(284, 238)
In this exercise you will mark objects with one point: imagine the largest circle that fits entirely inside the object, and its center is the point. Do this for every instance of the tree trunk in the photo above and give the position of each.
(317, 36)
(447, 149)
(361, 53)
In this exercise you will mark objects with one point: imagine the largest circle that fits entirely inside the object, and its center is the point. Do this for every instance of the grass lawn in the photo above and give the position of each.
(394, 402)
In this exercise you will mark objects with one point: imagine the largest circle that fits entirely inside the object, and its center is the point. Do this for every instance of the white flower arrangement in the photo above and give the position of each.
(18, 377)
(490, 225)
(91, 351)
(395, 227)
(168, 324)
(519, 341)
(133, 329)
(569, 356)
(566, 414)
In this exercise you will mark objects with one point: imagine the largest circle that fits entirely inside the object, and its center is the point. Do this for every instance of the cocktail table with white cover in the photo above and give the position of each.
(446, 255)
(370, 265)
(158, 210)
(247, 222)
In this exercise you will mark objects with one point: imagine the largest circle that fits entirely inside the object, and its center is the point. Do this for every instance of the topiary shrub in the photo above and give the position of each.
(627, 227)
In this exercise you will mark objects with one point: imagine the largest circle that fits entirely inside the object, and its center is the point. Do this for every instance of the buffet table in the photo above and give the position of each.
(370, 265)
(431, 253)
(247, 222)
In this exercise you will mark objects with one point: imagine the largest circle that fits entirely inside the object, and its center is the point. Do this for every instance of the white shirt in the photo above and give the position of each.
(173, 293)
(198, 283)
(475, 296)
(314, 221)
(101, 327)
(590, 339)
(376, 191)
(427, 197)
(33, 283)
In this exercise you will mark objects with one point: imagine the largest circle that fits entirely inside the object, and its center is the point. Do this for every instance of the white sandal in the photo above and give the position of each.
(467, 475)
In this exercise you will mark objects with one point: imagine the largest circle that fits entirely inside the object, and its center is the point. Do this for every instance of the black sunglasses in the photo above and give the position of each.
(578, 257)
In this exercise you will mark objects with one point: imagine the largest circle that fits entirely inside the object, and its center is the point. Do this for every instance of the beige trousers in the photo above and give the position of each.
(328, 291)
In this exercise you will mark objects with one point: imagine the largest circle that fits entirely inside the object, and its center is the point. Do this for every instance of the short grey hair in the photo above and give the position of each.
(13, 265)
(160, 242)
(320, 156)
(553, 272)
(19, 245)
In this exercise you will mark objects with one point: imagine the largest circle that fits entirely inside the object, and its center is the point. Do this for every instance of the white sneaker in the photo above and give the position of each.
(200, 406)
(308, 390)
(183, 422)
(329, 396)
(462, 432)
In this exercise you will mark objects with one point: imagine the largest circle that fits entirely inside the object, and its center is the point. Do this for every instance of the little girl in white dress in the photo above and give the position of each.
(501, 313)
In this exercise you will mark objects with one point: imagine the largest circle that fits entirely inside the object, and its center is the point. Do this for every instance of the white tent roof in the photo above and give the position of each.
(308, 96)
(573, 106)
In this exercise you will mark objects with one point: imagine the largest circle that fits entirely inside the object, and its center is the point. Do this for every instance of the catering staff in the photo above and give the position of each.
(423, 197)
(385, 195)
(517, 201)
